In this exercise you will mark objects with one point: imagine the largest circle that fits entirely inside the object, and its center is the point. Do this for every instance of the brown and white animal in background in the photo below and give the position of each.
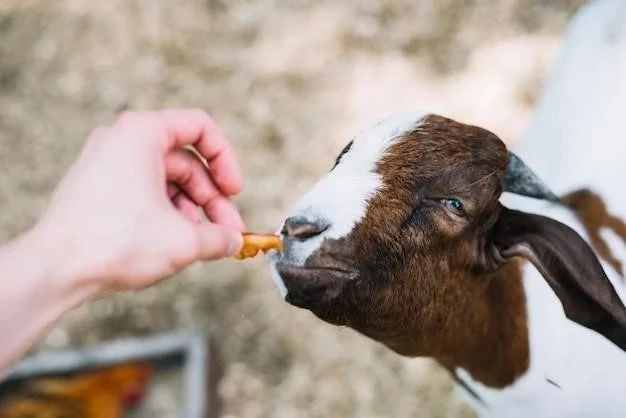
(406, 241)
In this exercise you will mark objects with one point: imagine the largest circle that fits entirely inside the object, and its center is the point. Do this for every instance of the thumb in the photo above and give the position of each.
(217, 241)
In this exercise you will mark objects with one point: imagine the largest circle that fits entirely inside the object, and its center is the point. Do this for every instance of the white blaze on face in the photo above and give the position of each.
(340, 198)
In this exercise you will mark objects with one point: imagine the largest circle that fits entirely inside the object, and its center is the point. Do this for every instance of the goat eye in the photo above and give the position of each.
(454, 205)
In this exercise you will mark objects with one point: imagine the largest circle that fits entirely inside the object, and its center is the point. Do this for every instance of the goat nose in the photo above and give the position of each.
(301, 228)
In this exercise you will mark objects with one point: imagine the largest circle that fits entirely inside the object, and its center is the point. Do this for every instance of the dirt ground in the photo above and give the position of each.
(289, 82)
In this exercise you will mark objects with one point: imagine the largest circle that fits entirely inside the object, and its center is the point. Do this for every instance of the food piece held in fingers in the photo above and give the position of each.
(253, 243)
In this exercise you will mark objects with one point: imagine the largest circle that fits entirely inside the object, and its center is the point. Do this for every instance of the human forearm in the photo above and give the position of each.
(126, 215)
(39, 283)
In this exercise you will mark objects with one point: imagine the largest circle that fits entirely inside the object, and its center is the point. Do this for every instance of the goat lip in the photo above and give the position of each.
(312, 287)
(314, 271)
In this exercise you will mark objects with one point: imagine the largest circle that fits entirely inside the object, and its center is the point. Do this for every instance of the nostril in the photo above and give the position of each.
(302, 228)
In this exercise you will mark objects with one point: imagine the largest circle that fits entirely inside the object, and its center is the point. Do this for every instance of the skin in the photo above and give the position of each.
(134, 208)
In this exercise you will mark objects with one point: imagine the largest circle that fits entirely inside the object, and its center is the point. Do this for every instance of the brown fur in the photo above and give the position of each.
(592, 212)
(462, 319)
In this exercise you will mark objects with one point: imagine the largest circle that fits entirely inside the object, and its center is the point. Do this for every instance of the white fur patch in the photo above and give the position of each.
(340, 198)
(278, 281)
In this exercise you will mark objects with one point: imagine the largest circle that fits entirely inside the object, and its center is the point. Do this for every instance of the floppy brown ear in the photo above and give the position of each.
(569, 266)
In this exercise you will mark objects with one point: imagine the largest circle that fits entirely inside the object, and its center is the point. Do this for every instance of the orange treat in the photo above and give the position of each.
(253, 243)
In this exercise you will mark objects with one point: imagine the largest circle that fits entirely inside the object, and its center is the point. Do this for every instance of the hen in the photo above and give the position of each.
(104, 393)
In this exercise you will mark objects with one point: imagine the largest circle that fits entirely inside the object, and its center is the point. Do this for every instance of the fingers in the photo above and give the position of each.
(191, 184)
(186, 207)
(195, 127)
(226, 212)
(185, 242)
(216, 241)
(190, 175)
(172, 190)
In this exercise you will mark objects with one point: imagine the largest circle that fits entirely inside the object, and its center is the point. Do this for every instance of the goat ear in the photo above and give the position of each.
(569, 266)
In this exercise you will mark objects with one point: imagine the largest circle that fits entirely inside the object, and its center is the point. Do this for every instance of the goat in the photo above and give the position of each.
(406, 241)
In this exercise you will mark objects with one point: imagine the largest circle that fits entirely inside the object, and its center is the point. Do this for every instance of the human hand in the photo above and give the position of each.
(126, 214)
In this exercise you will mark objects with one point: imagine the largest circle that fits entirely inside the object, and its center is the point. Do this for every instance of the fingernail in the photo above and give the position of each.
(235, 244)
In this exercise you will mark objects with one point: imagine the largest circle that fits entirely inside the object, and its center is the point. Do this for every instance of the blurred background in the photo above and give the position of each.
(289, 82)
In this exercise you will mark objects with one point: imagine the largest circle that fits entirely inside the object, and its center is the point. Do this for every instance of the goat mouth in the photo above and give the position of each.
(305, 272)
(313, 286)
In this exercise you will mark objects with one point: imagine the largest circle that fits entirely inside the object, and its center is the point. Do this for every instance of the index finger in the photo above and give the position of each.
(195, 127)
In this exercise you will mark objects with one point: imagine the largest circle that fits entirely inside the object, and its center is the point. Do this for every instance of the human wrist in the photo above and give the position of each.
(39, 287)
(56, 263)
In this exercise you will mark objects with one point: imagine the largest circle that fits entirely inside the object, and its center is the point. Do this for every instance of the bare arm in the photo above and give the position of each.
(126, 215)
(38, 286)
